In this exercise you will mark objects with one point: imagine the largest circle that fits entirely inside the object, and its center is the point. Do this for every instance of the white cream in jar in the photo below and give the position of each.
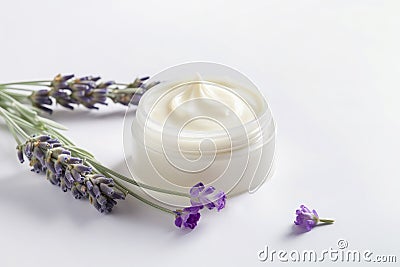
(203, 122)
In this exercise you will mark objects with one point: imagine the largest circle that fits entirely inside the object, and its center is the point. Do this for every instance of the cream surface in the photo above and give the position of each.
(204, 106)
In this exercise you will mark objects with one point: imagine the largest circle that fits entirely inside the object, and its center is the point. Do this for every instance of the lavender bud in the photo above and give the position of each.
(49, 162)
(28, 150)
(109, 207)
(20, 154)
(96, 191)
(55, 152)
(76, 175)
(52, 178)
(44, 145)
(79, 89)
(106, 189)
(38, 153)
(105, 84)
(56, 145)
(82, 189)
(58, 167)
(43, 138)
(102, 200)
(68, 176)
(72, 160)
(89, 185)
(40, 98)
(118, 195)
(112, 201)
(36, 166)
(103, 180)
(67, 183)
(75, 193)
(98, 206)
(63, 185)
(81, 168)
(65, 103)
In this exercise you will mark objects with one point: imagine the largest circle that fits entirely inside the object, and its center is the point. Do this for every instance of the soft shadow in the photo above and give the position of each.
(42, 200)
(4, 127)
(295, 230)
(134, 209)
(34, 196)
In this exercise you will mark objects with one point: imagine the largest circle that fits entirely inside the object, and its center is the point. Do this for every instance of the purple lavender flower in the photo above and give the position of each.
(61, 81)
(40, 98)
(131, 94)
(207, 196)
(70, 173)
(187, 218)
(308, 219)
(200, 196)
(87, 91)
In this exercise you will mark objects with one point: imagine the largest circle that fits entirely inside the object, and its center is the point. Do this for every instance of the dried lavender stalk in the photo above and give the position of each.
(46, 154)
(88, 91)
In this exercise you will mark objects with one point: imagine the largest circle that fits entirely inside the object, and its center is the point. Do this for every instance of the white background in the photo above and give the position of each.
(329, 69)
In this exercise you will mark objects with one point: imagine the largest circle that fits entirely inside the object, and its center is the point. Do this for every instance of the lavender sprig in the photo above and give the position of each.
(46, 154)
(88, 91)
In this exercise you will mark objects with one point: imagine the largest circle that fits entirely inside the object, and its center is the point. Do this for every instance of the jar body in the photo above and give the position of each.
(240, 171)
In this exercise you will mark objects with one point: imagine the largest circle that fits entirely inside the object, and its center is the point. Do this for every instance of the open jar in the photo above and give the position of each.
(202, 122)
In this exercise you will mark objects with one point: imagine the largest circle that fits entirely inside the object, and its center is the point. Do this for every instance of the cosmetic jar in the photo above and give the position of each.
(200, 122)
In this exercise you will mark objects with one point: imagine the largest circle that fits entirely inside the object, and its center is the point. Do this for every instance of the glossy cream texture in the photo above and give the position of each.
(214, 104)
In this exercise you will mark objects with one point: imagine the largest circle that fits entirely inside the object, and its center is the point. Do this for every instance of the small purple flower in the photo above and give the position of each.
(308, 219)
(207, 196)
(187, 218)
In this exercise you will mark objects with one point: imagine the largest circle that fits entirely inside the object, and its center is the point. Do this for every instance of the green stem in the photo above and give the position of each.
(7, 96)
(14, 134)
(26, 83)
(12, 123)
(126, 90)
(130, 192)
(326, 220)
(135, 183)
(123, 84)
(60, 136)
(23, 123)
(16, 89)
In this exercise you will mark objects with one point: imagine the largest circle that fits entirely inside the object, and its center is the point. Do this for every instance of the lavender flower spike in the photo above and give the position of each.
(70, 173)
(207, 196)
(187, 218)
(88, 91)
(308, 219)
